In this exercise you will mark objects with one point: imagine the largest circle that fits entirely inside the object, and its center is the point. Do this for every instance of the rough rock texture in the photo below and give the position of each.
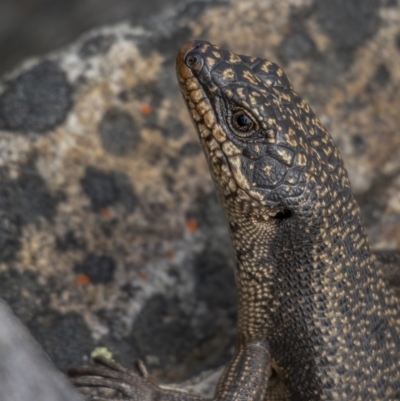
(110, 232)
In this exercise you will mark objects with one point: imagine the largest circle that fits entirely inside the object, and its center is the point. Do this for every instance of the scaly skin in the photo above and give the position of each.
(316, 319)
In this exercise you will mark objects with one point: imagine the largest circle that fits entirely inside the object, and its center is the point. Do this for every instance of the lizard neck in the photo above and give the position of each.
(307, 292)
(285, 271)
(288, 267)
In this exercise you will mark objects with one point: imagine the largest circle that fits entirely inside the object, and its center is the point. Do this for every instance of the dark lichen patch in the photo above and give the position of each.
(359, 144)
(23, 293)
(299, 16)
(144, 89)
(33, 199)
(22, 201)
(214, 278)
(296, 46)
(10, 229)
(97, 45)
(173, 128)
(208, 212)
(194, 9)
(215, 283)
(190, 149)
(380, 79)
(329, 67)
(169, 178)
(390, 3)
(118, 132)
(107, 226)
(70, 241)
(178, 30)
(166, 84)
(107, 188)
(163, 330)
(129, 290)
(37, 101)
(150, 94)
(382, 75)
(125, 95)
(215, 288)
(166, 44)
(374, 201)
(348, 23)
(65, 338)
(99, 268)
(353, 103)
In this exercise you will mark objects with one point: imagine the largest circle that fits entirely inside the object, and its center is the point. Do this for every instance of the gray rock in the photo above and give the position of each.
(33, 375)
(109, 163)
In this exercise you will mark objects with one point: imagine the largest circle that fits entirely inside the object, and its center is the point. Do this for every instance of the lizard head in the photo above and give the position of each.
(266, 149)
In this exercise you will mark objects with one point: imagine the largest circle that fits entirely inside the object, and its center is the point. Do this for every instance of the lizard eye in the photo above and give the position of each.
(242, 122)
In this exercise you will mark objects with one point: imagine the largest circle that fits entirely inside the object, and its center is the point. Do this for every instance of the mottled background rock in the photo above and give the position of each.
(32, 27)
(110, 232)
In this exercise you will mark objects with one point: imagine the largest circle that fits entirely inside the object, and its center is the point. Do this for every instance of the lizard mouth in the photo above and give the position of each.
(196, 85)
(202, 102)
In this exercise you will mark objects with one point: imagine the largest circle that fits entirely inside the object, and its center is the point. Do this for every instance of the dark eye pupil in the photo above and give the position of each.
(243, 120)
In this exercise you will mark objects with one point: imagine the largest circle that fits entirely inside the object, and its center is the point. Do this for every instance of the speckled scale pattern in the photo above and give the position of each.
(308, 285)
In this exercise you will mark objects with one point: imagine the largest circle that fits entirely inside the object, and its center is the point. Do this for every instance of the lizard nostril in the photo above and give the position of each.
(193, 61)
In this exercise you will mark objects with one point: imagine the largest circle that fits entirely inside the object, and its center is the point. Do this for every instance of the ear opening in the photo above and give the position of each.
(282, 215)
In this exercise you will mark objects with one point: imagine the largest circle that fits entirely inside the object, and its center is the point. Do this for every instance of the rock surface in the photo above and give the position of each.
(26, 372)
(110, 232)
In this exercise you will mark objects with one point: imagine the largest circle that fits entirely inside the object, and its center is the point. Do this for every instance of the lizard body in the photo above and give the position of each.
(316, 320)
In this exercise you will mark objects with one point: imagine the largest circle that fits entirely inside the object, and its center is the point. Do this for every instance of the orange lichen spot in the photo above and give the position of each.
(82, 279)
(106, 212)
(192, 225)
(170, 255)
(143, 275)
(145, 108)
